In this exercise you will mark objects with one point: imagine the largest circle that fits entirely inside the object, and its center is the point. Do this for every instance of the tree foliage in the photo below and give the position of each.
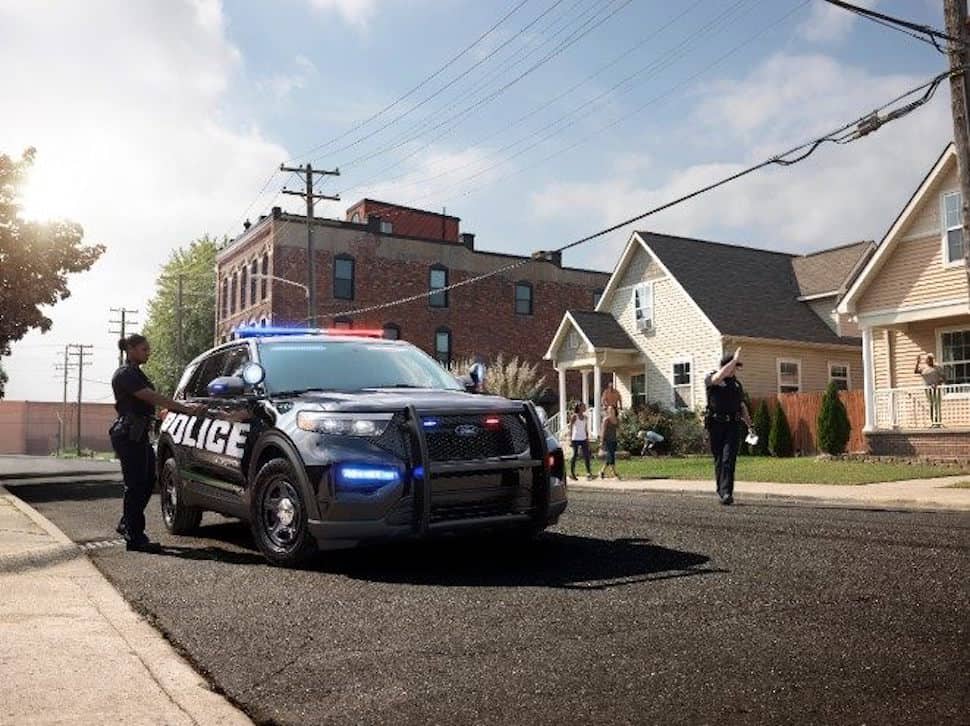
(762, 427)
(196, 265)
(3, 381)
(509, 377)
(35, 258)
(833, 422)
(779, 440)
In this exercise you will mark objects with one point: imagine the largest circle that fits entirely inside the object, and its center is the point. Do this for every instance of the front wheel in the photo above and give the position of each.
(279, 515)
(178, 517)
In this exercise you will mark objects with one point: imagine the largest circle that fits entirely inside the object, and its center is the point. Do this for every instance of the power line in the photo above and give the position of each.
(420, 85)
(929, 33)
(853, 130)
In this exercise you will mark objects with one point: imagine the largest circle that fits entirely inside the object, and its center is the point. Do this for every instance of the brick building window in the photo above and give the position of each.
(265, 280)
(343, 277)
(232, 293)
(253, 282)
(242, 287)
(438, 280)
(225, 296)
(342, 324)
(387, 228)
(442, 346)
(392, 331)
(523, 298)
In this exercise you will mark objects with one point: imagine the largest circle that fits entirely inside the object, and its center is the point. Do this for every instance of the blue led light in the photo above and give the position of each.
(255, 332)
(418, 472)
(429, 423)
(369, 473)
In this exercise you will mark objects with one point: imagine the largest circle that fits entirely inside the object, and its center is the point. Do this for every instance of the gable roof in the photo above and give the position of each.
(893, 235)
(745, 291)
(601, 331)
(827, 271)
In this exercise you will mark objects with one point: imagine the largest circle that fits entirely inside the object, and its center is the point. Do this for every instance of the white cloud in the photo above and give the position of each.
(828, 23)
(841, 193)
(281, 85)
(354, 12)
(128, 116)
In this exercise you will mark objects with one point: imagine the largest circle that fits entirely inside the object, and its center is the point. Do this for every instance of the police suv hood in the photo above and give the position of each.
(384, 399)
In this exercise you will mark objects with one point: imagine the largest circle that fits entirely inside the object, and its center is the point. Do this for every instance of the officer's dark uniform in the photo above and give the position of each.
(723, 421)
(129, 438)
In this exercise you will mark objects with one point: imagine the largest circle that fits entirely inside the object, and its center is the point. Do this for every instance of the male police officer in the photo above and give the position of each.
(725, 412)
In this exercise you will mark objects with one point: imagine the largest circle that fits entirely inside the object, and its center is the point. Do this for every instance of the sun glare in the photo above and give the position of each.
(40, 197)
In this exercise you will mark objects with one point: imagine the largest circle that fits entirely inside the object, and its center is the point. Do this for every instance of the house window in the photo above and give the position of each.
(343, 278)
(955, 355)
(523, 298)
(386, 227)
(597, 296)
(952, 227)
(265, 281)
(683, 388)
(572, 342)
(638, 390)
(392, 331)
(438, 280)
(442, 346)
(342, 324)
(643, 305)
(789, 375)
(839, 374)
(253, 282)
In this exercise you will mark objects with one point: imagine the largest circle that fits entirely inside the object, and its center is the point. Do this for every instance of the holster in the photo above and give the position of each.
(131, 426)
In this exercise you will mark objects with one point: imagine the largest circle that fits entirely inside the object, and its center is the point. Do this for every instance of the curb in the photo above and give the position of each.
(25, 475)
(741, 496)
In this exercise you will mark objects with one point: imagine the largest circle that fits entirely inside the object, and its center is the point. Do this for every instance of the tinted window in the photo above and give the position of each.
(349, 366)
(442, 346)
(523, 298)
(343, 278)
(184, 382)
(438, 279)
(235, 360)
(208, 369)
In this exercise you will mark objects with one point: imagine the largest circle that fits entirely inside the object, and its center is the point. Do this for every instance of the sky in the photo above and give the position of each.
(158, 121)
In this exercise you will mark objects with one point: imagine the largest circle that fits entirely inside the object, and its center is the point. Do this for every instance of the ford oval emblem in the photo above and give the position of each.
(466, 431)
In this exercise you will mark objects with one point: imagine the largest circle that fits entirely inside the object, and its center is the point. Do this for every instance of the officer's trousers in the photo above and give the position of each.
(725, 440)
(138, 469)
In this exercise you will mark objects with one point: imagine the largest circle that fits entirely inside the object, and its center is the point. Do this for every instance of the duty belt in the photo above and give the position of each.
(724, 417)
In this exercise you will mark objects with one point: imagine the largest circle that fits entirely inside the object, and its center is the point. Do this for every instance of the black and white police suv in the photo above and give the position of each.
(327, 440)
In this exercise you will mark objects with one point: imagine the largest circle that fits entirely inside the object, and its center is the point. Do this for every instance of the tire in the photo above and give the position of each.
(278, 515)
(179, 518)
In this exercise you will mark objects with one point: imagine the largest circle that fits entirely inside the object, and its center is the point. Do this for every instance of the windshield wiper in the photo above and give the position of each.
(297, 392)
(395, 385)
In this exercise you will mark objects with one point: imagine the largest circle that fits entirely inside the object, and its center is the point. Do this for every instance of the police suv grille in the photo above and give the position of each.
(455, 512)
(465, 438)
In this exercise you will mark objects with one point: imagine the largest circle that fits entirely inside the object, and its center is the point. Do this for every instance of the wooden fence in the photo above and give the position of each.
(802, 410)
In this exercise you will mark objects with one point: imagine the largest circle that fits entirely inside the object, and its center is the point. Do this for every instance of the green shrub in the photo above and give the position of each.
(779, 440)
(762, 427)
(683, 431)
(833, 423)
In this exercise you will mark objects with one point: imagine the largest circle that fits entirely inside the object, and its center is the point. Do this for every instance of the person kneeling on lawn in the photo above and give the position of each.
(725, 413)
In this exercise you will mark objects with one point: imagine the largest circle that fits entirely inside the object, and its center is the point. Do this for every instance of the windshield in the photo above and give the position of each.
(350, 366)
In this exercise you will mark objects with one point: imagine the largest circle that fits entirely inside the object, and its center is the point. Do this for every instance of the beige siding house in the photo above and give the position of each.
(674, 305)
(911, 299)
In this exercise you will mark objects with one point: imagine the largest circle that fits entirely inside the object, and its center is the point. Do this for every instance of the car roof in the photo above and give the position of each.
(308, 338)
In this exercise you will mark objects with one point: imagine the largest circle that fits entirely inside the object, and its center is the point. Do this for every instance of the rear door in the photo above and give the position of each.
(229, 442)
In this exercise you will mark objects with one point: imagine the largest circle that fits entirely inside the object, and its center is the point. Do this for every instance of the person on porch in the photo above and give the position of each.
(933, 378)
(725, 413)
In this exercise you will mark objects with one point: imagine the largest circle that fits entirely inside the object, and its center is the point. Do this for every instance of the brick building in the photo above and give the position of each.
(383, 252)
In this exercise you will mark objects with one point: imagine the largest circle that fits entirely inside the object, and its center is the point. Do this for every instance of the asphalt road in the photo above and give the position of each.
(639, 608)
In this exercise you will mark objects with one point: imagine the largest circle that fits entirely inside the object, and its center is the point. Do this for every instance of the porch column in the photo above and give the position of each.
(869, 380)
(597, 395)
(562, 398)
(586, 386)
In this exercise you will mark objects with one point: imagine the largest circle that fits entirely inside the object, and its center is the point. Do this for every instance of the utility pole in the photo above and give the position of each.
(79, 350)
(307, 172)
(64, 367)
(955, 14)
(123, 324)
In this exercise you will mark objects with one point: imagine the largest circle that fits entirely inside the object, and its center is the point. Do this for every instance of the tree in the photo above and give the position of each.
(779, 440)
(512, 378)
(762, 427)
(196, 265)
(3, 381)
(833, 423)
(35, 258)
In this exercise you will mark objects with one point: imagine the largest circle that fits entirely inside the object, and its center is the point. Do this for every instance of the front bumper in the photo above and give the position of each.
(448, 497)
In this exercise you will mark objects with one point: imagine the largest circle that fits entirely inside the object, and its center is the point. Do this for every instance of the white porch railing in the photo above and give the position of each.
(554, 425)
(909, 407)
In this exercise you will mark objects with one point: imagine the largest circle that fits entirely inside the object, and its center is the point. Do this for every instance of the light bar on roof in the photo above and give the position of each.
(255, 332)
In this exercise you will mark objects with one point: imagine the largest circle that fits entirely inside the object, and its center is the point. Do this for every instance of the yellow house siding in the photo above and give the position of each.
(680, 331)
(907, 342)
(881, 344)
(565, 355)
(760, 371)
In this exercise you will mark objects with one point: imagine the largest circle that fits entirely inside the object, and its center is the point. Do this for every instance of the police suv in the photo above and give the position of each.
(326, 440)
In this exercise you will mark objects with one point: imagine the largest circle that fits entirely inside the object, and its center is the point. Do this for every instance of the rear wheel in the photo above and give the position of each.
(178, 517)
(279, 515)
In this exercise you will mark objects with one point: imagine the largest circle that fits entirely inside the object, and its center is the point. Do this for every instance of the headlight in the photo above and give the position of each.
(344, 424)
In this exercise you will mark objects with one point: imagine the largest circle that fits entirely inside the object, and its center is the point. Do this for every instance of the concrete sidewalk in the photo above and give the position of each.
(909, 494)
(73, 650)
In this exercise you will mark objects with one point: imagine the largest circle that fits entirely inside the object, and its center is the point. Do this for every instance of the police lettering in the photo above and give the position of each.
(215, 435)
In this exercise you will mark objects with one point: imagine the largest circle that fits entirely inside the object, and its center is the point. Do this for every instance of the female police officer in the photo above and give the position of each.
(135, 401)
(725, 413)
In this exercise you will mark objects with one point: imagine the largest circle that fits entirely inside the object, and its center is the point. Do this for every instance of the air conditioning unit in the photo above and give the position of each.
(644, 324)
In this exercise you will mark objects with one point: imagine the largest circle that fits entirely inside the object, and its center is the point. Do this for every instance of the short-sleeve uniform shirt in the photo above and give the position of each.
(125, 382)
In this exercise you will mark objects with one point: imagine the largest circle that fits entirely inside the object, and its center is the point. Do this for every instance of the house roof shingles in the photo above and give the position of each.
(602, 330)
(829, 270)
(750, 292)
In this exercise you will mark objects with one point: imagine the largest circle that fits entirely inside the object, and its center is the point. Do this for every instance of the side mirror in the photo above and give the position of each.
(253, 374)
(226, 387)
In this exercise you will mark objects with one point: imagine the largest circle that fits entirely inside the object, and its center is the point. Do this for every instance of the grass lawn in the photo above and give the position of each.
(807, 470)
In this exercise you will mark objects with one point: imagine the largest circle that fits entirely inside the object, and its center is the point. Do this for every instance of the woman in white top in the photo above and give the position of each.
(579, 437)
